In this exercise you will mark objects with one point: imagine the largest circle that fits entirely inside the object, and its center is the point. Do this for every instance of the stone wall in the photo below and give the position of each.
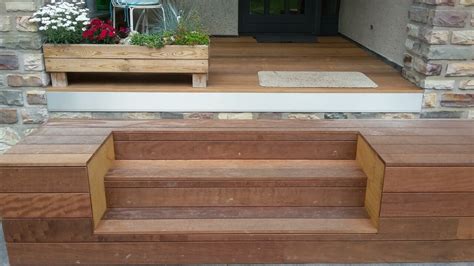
(22, 76)
(440, 56)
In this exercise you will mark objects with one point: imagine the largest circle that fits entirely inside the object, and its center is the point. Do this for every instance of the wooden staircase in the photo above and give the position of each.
(220, 192)
(297, 184)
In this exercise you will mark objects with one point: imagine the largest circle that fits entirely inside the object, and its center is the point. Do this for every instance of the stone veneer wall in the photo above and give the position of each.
(440, 56)
(22, 76)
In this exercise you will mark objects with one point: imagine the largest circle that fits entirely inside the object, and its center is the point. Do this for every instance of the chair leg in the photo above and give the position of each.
(164, 17)
(131, 11)
(113, 17)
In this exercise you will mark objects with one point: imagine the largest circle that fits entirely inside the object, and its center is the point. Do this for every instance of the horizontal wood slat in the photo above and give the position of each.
(236, 212)
(188, 150)
(43, 179)
(45, 205)
(171, 197)
(65, 160)
(80, 230)
(429, 179)
(127, 65)
(235, 226)
(233, 136)
(243, 252)
(427, 204)
(120, 51)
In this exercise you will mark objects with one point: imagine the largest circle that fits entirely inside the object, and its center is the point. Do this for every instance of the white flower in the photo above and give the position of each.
(54, 27)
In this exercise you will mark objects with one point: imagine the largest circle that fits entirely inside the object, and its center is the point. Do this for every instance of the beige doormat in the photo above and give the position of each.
(316, 79)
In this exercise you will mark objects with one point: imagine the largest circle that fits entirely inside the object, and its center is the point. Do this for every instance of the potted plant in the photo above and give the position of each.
(76, 44)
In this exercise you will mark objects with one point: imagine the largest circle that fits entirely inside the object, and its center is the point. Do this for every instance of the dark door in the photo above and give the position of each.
(279, 16)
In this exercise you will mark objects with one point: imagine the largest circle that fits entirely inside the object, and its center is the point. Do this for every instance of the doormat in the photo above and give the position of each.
(316, 79)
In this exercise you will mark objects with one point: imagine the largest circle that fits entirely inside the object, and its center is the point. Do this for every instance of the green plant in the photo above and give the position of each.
(192, 38)
(154, 40)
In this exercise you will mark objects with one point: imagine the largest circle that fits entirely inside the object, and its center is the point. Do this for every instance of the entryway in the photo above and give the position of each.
(288, 19)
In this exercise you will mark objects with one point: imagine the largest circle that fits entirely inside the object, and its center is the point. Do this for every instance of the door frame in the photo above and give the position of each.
(316, 25)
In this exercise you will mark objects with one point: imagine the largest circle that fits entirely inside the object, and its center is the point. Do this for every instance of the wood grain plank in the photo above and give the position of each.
(427, 204)
(235, 226)
(172, 197)
(47, 205)
(235, 173)
(127, 65)
(43, 179)
(130, 52)
(374, 168)
(424, 149)
(73, 230)
(428, 160)
(33, 160)
(52, 149)
(243, 252)
(420, 140)
(429, 179)
(48, 140)
(97, 168)
(236, 212)
(138, 135)
(181, 150)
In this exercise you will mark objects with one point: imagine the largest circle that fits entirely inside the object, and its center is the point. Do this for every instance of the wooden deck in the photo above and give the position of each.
(190, 192)
(235, 62)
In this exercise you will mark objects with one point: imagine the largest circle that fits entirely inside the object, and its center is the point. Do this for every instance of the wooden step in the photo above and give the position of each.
(310, 183)
(235, 173)
(258, 220)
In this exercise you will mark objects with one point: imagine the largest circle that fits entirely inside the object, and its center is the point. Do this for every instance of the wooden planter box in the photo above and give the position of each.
(62, 59)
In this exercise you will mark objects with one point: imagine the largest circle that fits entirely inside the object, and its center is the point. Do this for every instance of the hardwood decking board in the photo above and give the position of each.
(243, 252)
(428, 160)
(424, 149)
(53, 149)
(420, 140)
(429, 179)
(48, 140)
(236, 226)
(172, 197)
(234, 136)
(427, 204)
(233, 170)
(182, 150)
(236, 212)
(74, 230)
(45, 205)
(33, 160)
(43, 179)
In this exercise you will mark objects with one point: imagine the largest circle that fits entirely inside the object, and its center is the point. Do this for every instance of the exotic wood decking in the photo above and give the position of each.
(175, 192)
(235, 61)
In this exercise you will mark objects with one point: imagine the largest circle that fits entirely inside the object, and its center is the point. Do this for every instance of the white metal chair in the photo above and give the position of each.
(146, 6)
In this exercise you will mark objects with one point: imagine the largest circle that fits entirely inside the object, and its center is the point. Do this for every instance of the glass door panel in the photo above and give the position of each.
(257, 7)
(277, 7)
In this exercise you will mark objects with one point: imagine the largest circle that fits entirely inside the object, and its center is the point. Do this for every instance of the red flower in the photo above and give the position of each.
(103, 35)
(96, 22)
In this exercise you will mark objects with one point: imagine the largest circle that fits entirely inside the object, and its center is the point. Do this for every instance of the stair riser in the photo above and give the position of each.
(223, 150)
(289, 196)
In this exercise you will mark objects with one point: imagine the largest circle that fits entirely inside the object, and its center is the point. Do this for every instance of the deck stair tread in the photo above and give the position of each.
(325, 173)
(248, 220)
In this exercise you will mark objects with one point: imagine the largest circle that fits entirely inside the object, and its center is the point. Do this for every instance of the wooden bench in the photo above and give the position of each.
(85, 58)
(191, 192)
